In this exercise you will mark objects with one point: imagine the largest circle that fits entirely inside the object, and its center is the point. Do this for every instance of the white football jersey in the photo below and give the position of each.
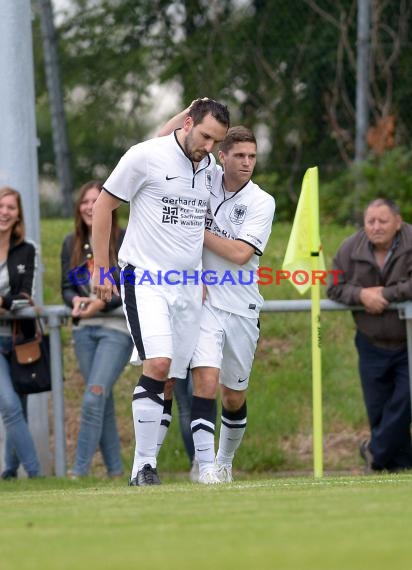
(245, 215)
(168, 202)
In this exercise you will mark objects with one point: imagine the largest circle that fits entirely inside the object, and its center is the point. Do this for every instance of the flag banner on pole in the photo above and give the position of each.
(304, 259)
(304, 241)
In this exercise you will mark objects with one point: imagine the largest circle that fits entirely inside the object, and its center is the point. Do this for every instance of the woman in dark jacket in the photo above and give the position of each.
(103, 346)
(17, 266)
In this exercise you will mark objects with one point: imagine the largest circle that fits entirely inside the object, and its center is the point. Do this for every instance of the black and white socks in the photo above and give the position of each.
(164, 424)
(203, 431)
(232, 429)
(147, 406)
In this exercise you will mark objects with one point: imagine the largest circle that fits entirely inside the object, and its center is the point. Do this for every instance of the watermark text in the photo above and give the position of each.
(263, 276)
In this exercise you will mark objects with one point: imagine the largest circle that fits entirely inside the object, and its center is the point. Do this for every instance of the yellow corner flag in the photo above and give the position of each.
(304, 241)
(304, 257)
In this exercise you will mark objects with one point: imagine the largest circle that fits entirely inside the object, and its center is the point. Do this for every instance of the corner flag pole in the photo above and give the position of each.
(304, 255)
(315, 252)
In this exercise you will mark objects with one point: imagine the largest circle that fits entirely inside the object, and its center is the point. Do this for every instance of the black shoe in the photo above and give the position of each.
(146, 476)
(398, 469)
(367, 456)
(8, 474)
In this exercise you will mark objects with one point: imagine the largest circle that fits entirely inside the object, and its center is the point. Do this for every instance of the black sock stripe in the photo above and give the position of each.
(165, 423)
(151, 385)
(153, 397)
(203, 427)
(239, 414)
(132, 314)
(233, 426)
(203, 408)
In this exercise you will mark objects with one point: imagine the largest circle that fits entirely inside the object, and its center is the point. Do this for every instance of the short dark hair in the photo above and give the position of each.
(236, 135)
(202, 107)
(384, 202)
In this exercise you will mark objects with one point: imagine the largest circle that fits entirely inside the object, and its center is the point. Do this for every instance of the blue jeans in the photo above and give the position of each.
(11, 460)
(102, 353)
(19, 442)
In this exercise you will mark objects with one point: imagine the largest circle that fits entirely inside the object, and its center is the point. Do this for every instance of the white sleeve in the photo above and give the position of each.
(129, 175)
(258, 224)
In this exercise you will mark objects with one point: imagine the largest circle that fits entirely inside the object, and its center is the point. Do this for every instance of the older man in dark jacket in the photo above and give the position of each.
(376, 269)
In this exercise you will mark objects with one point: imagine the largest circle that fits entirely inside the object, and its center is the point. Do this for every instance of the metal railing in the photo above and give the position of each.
(56, 316)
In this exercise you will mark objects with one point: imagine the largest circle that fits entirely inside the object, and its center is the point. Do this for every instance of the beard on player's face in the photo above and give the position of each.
(192, 149)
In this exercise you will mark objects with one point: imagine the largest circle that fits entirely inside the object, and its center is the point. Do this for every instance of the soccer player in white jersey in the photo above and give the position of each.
(167, 182)
(238, 221)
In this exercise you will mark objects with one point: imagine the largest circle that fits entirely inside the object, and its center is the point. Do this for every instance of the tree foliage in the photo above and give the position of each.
(286, 69)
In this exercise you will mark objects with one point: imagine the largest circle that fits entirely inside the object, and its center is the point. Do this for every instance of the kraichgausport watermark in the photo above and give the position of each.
(263, 276)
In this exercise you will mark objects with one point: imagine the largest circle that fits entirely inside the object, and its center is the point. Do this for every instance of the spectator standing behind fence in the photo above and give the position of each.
(17, 268)
(103, 346)
(376, 269)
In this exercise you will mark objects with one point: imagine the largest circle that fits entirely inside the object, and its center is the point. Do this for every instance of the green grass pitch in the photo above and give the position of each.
(301, 523)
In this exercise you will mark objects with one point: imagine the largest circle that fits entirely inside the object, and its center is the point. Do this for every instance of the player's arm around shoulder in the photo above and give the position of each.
(233, 250)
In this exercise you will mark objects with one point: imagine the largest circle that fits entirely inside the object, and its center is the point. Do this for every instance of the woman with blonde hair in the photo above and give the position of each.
(17, 269)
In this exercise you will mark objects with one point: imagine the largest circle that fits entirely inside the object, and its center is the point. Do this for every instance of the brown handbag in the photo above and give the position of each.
(30, 361)
(28, 352)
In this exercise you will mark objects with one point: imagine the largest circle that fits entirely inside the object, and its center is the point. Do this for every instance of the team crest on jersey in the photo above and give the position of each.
(238, 214)
(208, 179)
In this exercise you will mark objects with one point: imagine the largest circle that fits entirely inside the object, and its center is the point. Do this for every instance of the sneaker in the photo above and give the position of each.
(147, 475)
(209, 477)
(194, 472)
(224, 473)
(366, 455)
(73, 475)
